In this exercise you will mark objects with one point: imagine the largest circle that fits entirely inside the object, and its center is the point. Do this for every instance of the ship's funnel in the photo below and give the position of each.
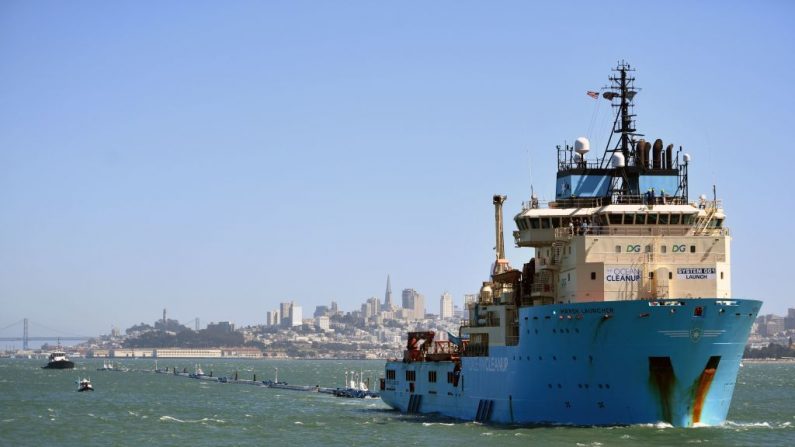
(657, 154)
(669, 157)
(640, 153)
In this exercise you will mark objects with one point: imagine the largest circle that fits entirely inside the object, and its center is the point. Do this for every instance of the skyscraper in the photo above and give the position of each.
(373, 307)
(272, 318)
(388, 296)
(415, 302)
(296, 315)
(284, 313)
(446, 306)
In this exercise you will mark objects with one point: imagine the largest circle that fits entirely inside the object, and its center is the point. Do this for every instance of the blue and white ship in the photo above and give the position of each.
(623, 316)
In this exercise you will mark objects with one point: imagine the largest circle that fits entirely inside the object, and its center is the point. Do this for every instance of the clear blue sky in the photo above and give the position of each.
(216, 158)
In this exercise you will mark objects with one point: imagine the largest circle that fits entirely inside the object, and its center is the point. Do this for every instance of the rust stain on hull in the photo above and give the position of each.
(701, 387)
(663, 380)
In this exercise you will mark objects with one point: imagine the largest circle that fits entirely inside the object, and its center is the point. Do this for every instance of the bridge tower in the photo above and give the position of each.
(25, 334)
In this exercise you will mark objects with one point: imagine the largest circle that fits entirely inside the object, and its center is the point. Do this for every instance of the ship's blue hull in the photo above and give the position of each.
(600, 363)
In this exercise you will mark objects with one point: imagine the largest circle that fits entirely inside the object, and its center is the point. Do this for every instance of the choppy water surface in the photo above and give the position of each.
(41, 407)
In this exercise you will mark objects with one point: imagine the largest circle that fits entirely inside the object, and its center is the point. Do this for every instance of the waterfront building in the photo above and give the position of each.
(183, 353)
(132, 353)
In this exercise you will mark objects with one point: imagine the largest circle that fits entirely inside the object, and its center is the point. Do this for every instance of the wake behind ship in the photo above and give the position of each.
(623, 316)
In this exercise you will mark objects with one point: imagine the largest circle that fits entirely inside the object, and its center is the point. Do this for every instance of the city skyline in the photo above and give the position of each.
(217, 160)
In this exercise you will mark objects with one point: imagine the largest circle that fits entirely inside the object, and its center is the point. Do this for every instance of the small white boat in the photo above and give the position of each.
(84, 385)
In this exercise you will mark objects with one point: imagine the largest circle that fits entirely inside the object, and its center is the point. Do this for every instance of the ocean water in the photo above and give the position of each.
(41, 407)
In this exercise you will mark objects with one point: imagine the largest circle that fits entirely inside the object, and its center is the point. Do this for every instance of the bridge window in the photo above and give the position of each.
(534, 223)
(687, 219)
(651, 219)
(545, 223)
(675, 219)
(663, 219)
(615, 219)
(640, 219)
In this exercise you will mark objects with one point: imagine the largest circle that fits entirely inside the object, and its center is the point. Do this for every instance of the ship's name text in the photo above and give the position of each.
(498, 364)
(588, 310)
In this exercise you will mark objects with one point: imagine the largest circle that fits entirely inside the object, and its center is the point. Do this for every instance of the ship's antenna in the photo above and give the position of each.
(530, 171)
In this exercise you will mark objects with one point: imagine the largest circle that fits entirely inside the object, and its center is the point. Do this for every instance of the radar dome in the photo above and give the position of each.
(577, 157)
(617, 160)
(582, 146)
(686, 157)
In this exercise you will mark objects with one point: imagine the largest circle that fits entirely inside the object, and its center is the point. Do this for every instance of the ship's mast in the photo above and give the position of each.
(501, 265)
(621, 93)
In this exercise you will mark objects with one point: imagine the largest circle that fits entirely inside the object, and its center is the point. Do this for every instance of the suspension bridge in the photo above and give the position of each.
(26, 337)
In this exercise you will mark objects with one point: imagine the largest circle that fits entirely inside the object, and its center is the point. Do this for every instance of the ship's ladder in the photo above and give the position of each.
(649, 265)
(557, 253)
(703, 222)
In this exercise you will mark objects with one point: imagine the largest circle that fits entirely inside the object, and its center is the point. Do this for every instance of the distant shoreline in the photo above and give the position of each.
(787, 360)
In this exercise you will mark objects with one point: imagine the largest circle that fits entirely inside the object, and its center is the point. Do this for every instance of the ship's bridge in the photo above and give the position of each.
(539, 227)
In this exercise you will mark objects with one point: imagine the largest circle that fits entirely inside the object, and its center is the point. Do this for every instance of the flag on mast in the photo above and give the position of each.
(592, 94)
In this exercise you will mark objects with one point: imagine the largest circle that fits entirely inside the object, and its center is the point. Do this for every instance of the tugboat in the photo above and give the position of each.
(58, 360)
(624, 315)
(84, 385)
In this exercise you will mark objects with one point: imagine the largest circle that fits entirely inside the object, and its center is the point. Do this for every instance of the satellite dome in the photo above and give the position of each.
(617, 160)
(582, 145)
(686, 157)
